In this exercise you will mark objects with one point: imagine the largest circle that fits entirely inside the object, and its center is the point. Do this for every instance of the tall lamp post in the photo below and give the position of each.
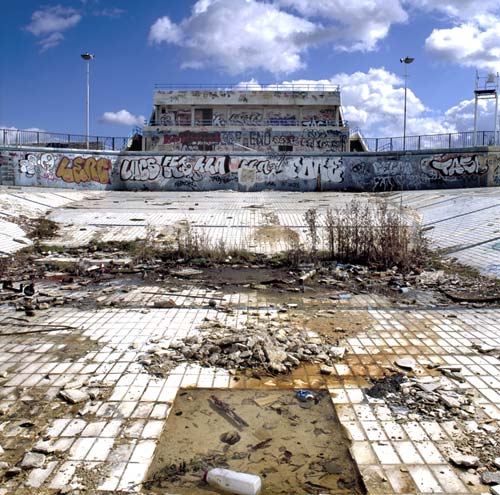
(406, 61)
(87, 57)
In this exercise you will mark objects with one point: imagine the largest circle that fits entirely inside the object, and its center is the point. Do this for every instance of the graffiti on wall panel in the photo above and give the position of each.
(245, 118)
(455, 165)
(280, 119)
(322, 118)
(230, 137)
(39, 164)
(194, 168)
(80, 169)
(333, 170)
(139, 169)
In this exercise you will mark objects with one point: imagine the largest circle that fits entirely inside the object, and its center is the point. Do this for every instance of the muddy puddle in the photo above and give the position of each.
(294, 446)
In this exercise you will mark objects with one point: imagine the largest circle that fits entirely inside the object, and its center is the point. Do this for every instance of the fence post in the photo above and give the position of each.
(376, 144)
(17, 137)
(419, 142)
(449, 140)
(113, 143)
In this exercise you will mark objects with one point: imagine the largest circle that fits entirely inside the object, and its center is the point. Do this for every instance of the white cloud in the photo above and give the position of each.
(462, 115)
(48, 24)
(122, 117)
(164, 30)
(112, 12)
(358, 24)
(471, 44)
(460, 9)
(238, 35)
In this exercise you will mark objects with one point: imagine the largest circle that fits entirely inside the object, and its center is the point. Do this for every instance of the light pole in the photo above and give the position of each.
(406, 61)
(87, 57)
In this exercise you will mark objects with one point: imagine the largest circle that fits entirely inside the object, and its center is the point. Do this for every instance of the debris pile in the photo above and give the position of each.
(481, 444)
(259, 347)
(431, 399)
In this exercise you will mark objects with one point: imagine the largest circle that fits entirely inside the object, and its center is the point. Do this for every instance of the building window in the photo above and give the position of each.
(203, 116)
(205, 147)
(285, 147)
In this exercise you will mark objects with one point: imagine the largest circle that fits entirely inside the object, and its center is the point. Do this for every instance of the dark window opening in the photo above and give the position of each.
(206, 147)
(203, 116)
(285, 147)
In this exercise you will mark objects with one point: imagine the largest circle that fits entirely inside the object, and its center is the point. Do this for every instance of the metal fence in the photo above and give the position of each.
(19, 137)
(250, 87)
(433, 141)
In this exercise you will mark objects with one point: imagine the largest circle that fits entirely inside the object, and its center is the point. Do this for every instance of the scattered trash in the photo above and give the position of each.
(305, 395)
(230, 437)
(234, 482)
(226, 411)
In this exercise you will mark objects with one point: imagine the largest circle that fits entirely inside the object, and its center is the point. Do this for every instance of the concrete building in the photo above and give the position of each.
(275, 118)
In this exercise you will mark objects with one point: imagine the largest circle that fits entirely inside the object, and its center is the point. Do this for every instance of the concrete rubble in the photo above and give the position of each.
(265, 348)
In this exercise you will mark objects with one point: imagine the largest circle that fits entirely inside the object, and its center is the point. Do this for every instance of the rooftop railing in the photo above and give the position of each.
(20, 137)
(249, 87)
(248, 121)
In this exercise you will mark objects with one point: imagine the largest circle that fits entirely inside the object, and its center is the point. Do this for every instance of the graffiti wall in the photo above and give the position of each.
(279, 171)
(309, 138)
(56, 169)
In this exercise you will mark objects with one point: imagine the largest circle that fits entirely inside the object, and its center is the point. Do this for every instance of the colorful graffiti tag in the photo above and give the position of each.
(80, 169)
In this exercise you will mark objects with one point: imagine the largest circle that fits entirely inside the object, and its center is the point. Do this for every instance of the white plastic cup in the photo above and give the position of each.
(234, 482)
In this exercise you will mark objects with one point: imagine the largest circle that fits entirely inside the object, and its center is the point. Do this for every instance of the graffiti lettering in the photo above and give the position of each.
(175, 167)
(230, 137)
(42, 164)
(189, 138)
(265, 167)
(260, 138)
(456, 165)
(246, 118)
(140, 169)
(390, 167)
(281, 119)
(81, 169)
(333, 170)
(325, 118)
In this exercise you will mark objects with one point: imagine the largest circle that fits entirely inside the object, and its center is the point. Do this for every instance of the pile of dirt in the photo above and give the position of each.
(262, 347)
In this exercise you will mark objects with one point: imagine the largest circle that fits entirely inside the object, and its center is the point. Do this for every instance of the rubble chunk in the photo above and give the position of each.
(463, 460)
(74, 396)
(406, 363)
(33, 460)
(490, 478)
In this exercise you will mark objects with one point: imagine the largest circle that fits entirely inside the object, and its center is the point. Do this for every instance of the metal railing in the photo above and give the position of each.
(249, 87)
(433, 141)
(21, 137)
(245, 122)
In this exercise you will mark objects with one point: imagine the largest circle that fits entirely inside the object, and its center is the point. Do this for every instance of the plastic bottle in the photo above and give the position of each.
(234, 482)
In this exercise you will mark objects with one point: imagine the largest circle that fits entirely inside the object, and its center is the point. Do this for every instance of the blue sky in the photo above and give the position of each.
(356, 44)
